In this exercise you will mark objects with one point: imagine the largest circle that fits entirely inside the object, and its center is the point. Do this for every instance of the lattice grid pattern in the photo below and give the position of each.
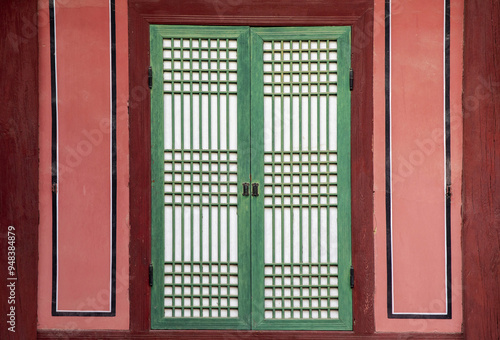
(301, 291)
(297, 179)
(300, 179)
(200, 86)
(200, 178)
(201, 289)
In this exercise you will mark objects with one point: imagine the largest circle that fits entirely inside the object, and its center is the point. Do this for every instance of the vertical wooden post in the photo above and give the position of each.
(19, 168)
(362, 204)
(481, 170)
(140, 175)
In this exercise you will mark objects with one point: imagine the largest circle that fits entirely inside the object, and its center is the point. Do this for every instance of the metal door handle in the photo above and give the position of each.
(246, 187)
(255, 189)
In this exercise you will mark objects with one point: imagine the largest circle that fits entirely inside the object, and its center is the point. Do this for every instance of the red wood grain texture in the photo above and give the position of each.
(260, 12)
(363, 256)
(358, 14)
(140, 173)
(19, 164)
(244, 335)
(362, 175)
(481, 170)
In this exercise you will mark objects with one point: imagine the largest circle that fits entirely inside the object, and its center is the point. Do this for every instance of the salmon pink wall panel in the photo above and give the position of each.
(417, 155)
(418, 161)
(84, 143)
(84, 218)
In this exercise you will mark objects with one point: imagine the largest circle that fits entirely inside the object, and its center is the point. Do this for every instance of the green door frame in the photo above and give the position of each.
(251, 315)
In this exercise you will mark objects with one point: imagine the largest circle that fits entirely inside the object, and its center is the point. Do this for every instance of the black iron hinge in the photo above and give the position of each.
(448, 191)
(151, 275)
(351, 79)
(352, 277)
(150, 77)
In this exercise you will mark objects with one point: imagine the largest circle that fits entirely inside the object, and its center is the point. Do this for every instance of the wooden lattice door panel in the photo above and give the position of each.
(236, 108)
(301, 223)
(200, 157)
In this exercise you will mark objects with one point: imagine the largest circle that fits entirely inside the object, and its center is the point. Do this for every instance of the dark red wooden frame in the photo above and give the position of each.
(481, 170)
(19, 162)
(481, 193)
(359, 14)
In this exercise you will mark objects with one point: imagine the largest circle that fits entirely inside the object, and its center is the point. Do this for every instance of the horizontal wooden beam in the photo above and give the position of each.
(269, 8)
(275, 335)
(249, 20)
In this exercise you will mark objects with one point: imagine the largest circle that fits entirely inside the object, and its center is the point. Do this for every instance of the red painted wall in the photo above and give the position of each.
(418, 204)
(418, 166)
(19, 194)
(84, 225)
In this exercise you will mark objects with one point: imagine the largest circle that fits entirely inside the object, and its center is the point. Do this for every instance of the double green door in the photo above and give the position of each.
(250, 178)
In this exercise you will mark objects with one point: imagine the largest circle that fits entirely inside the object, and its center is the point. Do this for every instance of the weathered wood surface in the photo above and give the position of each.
(19, 164)
(140, 173)
(481, 170)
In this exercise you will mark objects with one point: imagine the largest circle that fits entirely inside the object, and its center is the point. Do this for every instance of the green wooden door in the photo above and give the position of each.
(251, 178)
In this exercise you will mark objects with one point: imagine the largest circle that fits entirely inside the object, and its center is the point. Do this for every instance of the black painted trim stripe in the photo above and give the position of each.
(388, 188)
(53, 64)
(54, 160)
(448, 155)
(388, 165)
(113, 155)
